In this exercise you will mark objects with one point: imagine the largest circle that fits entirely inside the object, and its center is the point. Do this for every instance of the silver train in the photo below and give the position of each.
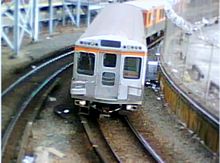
(110, 59)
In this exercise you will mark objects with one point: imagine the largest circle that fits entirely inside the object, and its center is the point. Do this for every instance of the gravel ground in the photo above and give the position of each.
(123, 142)
(64, 135)
(179, 145)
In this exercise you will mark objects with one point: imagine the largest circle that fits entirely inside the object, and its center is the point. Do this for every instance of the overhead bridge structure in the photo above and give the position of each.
(23, 18)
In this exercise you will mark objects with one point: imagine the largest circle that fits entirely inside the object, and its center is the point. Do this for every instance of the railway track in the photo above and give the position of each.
(21, 97)
(142, 141)
(98, 141)
(118, 141)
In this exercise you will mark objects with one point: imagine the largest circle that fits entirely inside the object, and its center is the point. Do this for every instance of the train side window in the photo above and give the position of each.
(161, 14)
(109, 60)
(86, 63)
(108, 78)
(149, 18)
(132, 68)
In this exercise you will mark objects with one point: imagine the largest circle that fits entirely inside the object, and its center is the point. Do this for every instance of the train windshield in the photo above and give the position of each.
(86, 63)
(109, 60)
(132, 68)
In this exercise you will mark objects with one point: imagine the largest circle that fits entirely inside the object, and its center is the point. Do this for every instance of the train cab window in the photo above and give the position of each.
(109, 60)
(132, 68)
(86, 63)
(108, 78)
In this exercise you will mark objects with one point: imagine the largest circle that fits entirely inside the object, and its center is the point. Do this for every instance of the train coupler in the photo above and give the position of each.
(84, 111)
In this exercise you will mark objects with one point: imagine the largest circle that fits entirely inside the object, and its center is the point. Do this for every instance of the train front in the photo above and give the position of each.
(110, 62)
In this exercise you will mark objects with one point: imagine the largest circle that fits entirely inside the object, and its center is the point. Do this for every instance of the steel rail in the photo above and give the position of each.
(13, 85)
(145, 144)
(27, 132)
(96, 149)
(113, 152)
(11, 125)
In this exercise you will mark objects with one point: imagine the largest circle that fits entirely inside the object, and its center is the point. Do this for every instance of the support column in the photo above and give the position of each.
(1, 38)
(16, 26)
(88, 16)
(78, 13)
(63, 14)
(51, 17)
(35, 31)
(209, 73)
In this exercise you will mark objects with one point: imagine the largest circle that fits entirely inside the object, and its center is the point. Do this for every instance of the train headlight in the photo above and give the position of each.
(129, 107)
(83, 103)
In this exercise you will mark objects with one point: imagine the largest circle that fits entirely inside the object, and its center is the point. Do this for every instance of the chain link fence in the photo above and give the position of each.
(193, 59)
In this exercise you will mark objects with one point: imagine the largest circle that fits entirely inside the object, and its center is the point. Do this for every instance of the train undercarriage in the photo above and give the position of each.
(85, 107)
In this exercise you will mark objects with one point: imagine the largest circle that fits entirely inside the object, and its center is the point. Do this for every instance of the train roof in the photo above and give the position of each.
(117, 21)
(147, 4)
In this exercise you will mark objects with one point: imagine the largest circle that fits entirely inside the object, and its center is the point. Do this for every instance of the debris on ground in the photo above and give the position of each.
(52, 99)
(33, 66)
(28, 159)
(56, 152)
(63, 111)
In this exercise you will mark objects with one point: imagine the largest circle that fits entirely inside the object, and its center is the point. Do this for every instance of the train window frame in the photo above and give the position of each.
(108, 82)
(137, 76)
(92, 66)
(106, 63)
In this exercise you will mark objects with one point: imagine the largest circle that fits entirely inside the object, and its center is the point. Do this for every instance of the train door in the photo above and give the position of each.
(108, 69)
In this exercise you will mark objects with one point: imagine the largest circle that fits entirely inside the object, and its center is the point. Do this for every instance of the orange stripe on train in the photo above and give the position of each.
(96, 50)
